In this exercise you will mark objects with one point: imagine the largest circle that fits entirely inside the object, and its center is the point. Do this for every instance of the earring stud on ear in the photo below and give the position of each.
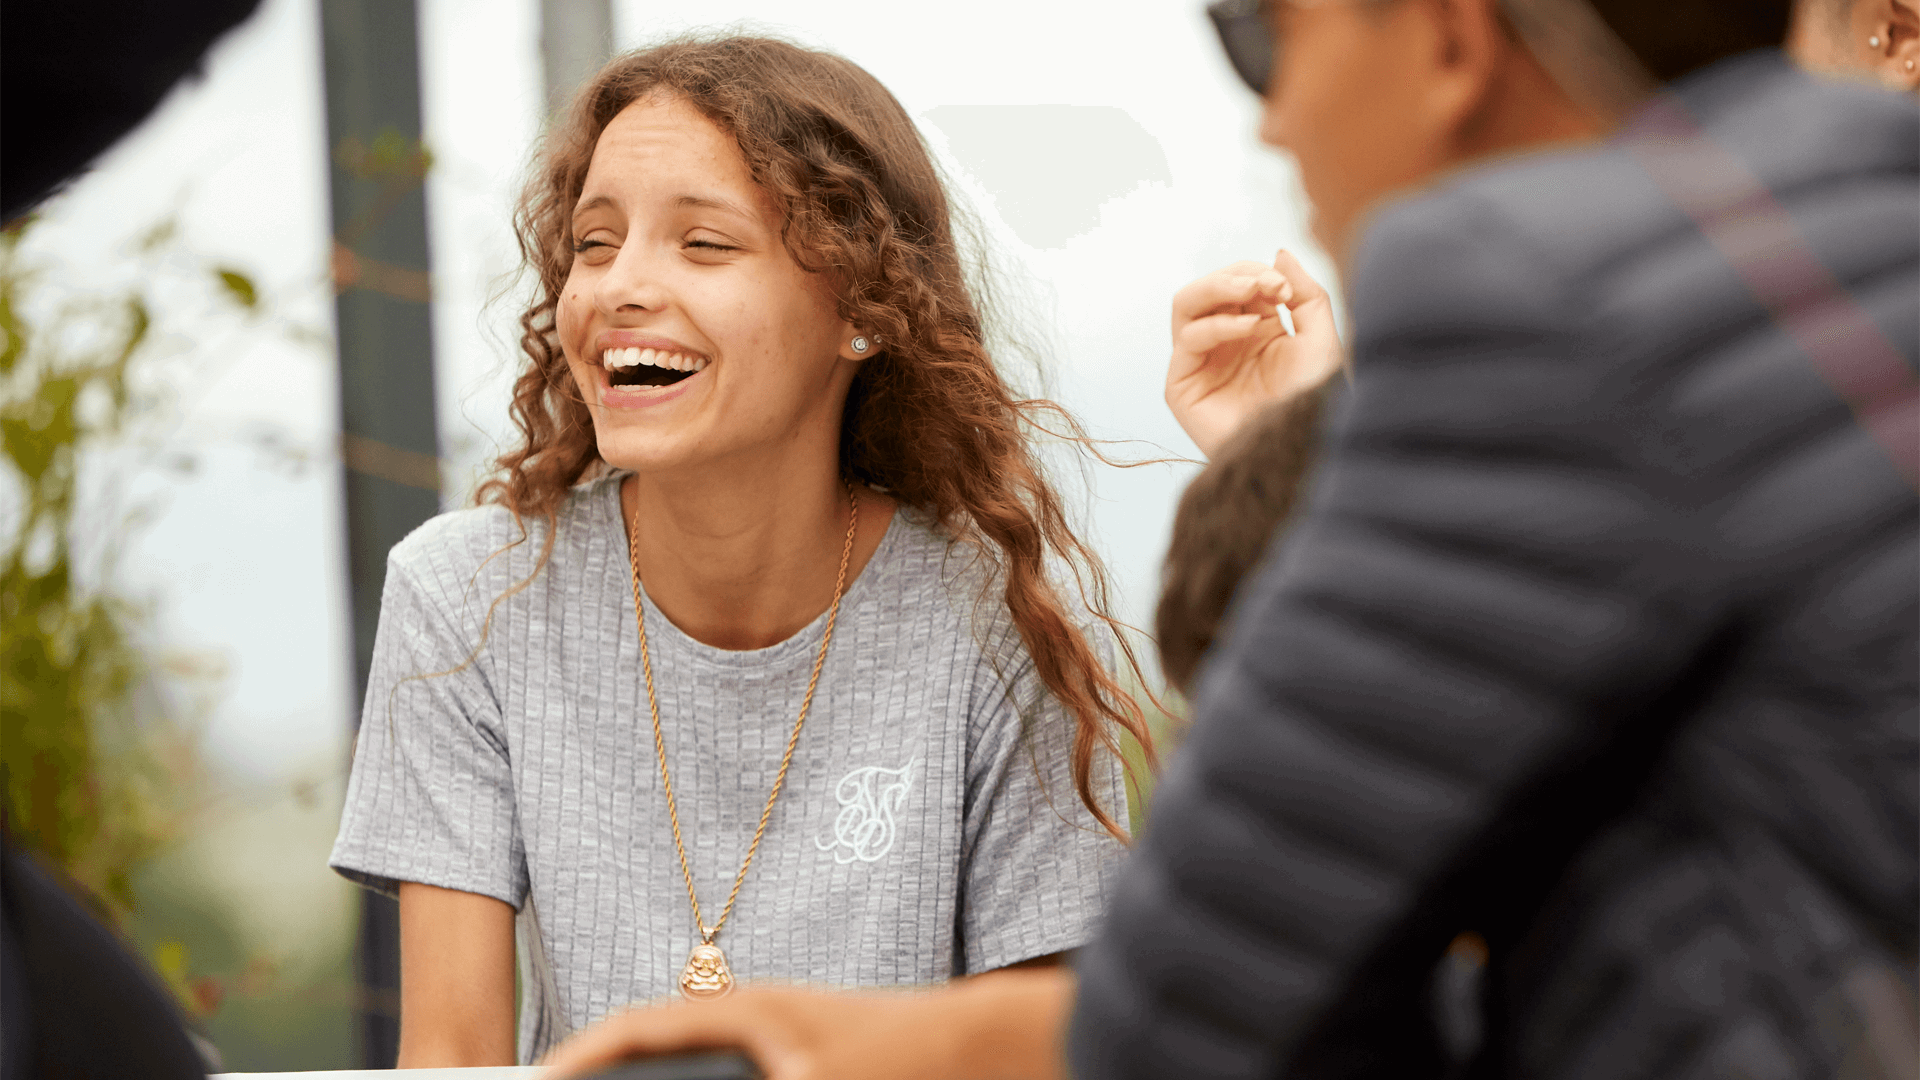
(1873, 42)
(860, 344)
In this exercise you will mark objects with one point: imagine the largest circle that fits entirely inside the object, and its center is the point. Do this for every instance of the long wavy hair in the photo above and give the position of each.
(929, 419)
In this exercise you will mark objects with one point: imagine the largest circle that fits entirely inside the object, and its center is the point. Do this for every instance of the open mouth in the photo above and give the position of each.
(650, 367)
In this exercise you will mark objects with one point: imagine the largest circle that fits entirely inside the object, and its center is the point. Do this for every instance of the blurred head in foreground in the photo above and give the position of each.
(1374, 98)
(1877, 40)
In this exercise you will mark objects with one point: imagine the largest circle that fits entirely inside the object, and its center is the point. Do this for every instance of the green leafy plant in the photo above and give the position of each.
(94, 769)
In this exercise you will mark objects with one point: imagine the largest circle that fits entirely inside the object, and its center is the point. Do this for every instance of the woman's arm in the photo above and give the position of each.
(1006, 1025)
(456, 979)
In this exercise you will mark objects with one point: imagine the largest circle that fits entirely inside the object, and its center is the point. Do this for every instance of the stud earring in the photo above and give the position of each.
(861, 344)
(1873, 42)
(1909, 65)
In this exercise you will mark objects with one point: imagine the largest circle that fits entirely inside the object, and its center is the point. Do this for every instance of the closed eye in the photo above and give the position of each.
(710, 245)
(580, 246)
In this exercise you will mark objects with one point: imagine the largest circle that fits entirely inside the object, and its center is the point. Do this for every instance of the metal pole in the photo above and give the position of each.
(576, 38)
(389, 448)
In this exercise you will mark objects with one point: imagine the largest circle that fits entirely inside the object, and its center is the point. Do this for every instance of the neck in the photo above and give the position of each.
(1525, 110)
(746, 561)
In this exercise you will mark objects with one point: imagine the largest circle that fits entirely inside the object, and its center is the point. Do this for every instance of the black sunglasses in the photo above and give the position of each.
(1247, 37)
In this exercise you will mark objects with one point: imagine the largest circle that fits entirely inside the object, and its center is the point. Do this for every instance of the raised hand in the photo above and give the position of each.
(1231, 354)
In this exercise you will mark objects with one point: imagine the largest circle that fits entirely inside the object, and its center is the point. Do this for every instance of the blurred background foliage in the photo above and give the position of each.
(86, 748)
(1166, 715)
(99, 719)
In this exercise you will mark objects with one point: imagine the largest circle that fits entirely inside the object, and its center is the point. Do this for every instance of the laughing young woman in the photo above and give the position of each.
(750, 665)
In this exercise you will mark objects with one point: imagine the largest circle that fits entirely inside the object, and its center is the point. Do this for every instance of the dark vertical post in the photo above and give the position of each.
(576, 38)
(388, 444)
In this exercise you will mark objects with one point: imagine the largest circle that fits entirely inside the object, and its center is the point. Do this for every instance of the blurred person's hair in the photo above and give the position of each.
(78, 74)
(1226, 520)
(1673, 37)
(928, 419)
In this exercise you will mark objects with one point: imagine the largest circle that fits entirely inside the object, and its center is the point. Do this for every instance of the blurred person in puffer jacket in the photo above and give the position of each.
(1596, 638)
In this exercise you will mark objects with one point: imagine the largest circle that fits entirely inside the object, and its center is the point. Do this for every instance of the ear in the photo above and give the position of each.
(1897, 60)
(1469, 53)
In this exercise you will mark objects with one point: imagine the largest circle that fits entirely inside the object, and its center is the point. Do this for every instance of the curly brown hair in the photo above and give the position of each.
(929, 419)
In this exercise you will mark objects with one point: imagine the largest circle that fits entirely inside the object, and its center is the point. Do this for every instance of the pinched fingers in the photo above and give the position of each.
(1196, 339)
(1305, 289)
(1243, 283)
(1320, 351)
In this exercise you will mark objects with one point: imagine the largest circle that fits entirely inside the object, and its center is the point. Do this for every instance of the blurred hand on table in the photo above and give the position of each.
(1008, 1025)
(1232, 354)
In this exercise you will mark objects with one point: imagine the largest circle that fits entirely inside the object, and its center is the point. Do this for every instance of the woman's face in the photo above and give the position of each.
(692, 335)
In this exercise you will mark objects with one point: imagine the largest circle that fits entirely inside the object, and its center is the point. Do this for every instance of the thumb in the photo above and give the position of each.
(1305, 289)
(1310, 305)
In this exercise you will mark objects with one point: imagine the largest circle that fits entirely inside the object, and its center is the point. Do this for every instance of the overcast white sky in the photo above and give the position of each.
(1108, 149)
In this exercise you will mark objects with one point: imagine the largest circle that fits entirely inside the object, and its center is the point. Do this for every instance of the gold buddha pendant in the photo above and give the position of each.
(706, 975)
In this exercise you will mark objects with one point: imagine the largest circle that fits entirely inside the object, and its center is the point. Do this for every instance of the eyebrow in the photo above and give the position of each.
(704, 202)
(715, 202)
(594, 203)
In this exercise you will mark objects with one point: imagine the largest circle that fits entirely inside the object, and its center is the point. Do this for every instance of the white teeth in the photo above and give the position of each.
(634, 357)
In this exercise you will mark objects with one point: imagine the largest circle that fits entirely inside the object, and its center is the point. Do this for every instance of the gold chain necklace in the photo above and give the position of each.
(706, 974)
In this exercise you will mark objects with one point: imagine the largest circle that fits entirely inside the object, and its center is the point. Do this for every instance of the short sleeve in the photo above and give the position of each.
(1036, 865)
(431, 796)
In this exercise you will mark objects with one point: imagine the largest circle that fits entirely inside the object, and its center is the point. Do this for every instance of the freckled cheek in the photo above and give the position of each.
(761, 324)
(735, 321)
(795, 319)
(778, 350)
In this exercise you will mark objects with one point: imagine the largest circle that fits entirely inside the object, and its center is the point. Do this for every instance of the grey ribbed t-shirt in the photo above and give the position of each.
(929, 827)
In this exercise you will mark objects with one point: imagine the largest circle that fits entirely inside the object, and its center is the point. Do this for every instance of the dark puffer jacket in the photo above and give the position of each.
(1597, 636)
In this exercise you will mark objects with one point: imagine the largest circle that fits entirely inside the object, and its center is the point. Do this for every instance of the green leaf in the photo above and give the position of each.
(240, 287)
(159, 236)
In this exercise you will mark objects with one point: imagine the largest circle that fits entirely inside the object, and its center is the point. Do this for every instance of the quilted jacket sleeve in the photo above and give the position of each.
(1464, 624)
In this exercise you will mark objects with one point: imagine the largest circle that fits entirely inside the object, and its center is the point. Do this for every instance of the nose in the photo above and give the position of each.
(632, 283)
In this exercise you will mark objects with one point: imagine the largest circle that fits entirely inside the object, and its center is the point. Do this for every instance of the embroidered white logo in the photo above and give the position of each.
(864, 829)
